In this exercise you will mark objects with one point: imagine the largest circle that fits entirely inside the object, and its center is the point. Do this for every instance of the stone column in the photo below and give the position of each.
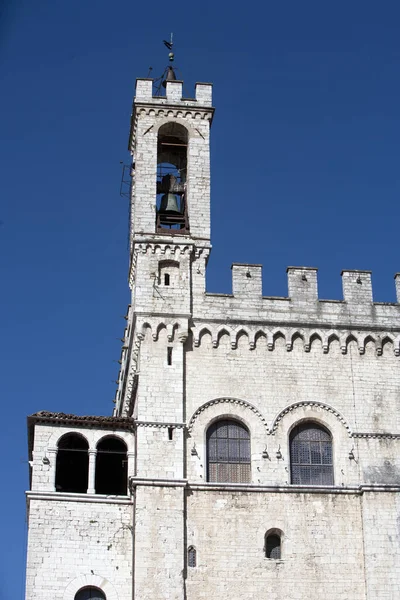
(92, 471)
(131, 464)
(52, 456)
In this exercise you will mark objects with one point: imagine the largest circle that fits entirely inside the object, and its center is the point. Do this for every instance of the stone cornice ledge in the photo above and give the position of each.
(293, 489)
(245, 487)
(134, 481)
(73, 497)
(160, 424)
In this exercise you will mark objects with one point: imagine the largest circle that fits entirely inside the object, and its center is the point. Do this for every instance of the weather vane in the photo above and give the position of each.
(169, 45)
(169, 72)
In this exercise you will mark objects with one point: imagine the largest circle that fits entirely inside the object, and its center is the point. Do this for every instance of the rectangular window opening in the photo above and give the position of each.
(166, 278)
(170, 433)
(169, 355)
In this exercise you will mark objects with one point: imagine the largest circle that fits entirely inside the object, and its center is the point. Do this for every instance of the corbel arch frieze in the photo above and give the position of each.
(131, 382)
(175, 329)
(166, 250)
(313, 410)
(179, 114)
(199, 332)
(232, 406)
(238, 333)
(290, 335)
(132, 269)
(201, 252)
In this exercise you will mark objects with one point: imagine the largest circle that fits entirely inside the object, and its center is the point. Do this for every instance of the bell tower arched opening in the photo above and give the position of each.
(172, 146)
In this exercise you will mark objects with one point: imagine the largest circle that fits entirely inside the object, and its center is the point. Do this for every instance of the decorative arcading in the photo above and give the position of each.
(132, 270)
(204, 114)
(311, 403)
(163, 249)
(175, 328)
(132, 375)
(290, 335)
(234, 401)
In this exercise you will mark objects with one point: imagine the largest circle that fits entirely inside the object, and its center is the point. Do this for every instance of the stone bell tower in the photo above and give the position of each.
(169, 220)
(169, 247)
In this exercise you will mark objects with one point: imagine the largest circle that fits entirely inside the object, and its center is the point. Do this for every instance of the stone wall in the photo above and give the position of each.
(322, 546)
(78, 542)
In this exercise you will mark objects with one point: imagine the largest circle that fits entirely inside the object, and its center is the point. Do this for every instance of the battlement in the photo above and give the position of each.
(302, 307)
(173, 95)
(303, 284)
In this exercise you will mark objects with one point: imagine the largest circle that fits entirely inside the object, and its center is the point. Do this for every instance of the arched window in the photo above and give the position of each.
(228, 452)
(172, 144)
(72, 465)
(311, 460)
(192, 559)
(273, 545)
(111, 467)
(90, 593)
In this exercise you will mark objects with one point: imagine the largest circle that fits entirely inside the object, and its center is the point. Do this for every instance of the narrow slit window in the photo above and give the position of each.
(166, 279)
(192, 558)
(273, 546)
(169, 356)
(170, 433)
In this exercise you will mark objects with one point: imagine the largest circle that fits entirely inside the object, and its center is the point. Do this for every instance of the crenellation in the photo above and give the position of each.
(174, 91)
(204, 94)
(144, 90)
(357, 287)
(302, 284)
(247, 281)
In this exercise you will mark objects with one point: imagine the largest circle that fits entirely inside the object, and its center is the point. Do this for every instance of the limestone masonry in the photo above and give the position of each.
(254, 448)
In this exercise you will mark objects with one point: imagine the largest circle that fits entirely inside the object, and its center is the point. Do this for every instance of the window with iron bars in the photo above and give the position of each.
(192, 558)
(228, 452)
(311, 457)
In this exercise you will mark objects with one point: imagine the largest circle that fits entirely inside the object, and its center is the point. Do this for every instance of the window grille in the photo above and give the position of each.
(311, 459)
(90, 593)
(191, 556)
(273, 546)
(228, 452)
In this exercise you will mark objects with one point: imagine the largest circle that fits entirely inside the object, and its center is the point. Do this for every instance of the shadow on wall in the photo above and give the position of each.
(72, 465)
(387, 474)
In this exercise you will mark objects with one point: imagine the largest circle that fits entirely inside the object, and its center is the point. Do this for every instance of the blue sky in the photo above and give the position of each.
(305, 171)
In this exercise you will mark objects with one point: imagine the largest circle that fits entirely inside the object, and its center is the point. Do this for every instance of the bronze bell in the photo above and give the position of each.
(169, 204)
